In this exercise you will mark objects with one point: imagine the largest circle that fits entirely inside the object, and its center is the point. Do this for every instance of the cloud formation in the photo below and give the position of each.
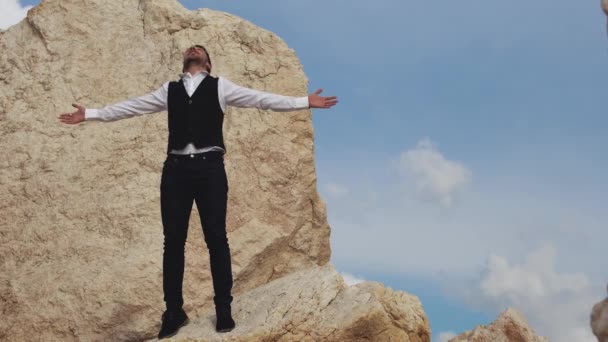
(336, 190)
(434, 176)
(350, 279)
(11, 13)
(445, 336)
(556, 304)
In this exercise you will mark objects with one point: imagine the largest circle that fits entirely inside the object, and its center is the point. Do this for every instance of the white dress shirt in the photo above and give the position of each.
(229, 94)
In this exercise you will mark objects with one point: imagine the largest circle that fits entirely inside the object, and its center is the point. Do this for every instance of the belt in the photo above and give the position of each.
(210, 155)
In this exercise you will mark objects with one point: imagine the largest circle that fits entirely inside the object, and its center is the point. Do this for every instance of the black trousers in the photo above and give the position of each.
(200, 178)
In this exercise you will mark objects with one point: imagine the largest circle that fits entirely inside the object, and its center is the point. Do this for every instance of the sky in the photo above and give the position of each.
(465, 162)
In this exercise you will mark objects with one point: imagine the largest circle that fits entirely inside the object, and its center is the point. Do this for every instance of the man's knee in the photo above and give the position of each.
(216, 239)
(175, 241)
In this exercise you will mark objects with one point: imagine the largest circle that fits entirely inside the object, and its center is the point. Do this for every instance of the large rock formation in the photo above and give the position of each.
(605, 9)
(81, 249)
(510, 326)
(599, 320)
(315, 305)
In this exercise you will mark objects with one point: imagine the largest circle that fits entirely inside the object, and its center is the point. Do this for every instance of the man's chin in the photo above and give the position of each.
(193, 60)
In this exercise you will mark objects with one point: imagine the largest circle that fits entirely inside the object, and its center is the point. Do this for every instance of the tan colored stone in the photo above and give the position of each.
(599, 320)
(510, 326)
(81, 249)
(315, 304)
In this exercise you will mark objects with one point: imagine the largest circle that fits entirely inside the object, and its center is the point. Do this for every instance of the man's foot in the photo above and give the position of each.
(224, 322)
(172, 321)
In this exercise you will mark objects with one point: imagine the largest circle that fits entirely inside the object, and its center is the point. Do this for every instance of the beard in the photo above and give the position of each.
(194, 60)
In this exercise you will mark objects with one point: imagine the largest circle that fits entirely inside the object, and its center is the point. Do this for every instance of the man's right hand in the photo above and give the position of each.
(75, 117)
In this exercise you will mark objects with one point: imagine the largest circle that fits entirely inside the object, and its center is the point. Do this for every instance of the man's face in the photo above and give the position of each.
(195, 55)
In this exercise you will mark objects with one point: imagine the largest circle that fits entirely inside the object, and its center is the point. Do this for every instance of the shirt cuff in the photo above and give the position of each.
(302, 102)
(91, 114)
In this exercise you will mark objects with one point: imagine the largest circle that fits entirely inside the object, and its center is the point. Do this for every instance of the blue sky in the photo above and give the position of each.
(466, 161)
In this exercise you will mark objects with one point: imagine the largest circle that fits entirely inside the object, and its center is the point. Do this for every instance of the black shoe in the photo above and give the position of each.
(224, 322)
(172, 321)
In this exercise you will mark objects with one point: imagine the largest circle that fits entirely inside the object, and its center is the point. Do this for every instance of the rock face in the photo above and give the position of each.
(315, 305)
(605, 9)
(599, 320)
(510, 326)
(81, 249)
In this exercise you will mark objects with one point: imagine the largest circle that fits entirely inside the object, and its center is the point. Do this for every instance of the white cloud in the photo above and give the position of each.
(350, 279)
(336, 190)
(535, 278)
(445, 336)
(556, 305)
(434, 175)
(11, 13)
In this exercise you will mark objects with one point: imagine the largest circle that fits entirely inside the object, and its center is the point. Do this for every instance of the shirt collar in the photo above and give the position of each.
(188, 74)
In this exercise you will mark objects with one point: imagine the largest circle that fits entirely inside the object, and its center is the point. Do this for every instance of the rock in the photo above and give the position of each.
(314, 304)
(605, 9)
(510, 326)
(599, 320)
(79, 205)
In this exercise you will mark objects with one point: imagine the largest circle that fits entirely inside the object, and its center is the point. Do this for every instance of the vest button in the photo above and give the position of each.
(189, 101)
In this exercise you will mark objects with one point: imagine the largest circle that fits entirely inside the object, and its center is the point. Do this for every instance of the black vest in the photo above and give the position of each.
(197, 119)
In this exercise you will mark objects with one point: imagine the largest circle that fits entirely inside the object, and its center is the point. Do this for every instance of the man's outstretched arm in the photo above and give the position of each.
(231, 94)
(153, 102)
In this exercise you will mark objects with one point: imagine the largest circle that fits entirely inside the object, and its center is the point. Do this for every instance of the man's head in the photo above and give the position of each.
(197, 55)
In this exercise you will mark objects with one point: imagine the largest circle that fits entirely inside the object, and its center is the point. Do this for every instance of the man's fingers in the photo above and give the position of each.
(322, 101)
(331, 102)
(67, 118)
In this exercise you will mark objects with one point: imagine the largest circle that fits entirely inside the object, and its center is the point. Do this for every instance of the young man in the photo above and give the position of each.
(194, 169)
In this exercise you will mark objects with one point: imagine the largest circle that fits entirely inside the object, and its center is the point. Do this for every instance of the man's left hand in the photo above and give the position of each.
(316, 101)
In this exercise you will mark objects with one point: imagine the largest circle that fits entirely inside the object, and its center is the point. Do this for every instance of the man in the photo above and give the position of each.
(194, 169)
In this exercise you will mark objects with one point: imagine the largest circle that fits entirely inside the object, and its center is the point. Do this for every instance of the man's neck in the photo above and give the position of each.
(193, 70)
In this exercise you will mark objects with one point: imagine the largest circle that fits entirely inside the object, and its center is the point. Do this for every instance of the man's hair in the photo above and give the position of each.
(208, 58)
